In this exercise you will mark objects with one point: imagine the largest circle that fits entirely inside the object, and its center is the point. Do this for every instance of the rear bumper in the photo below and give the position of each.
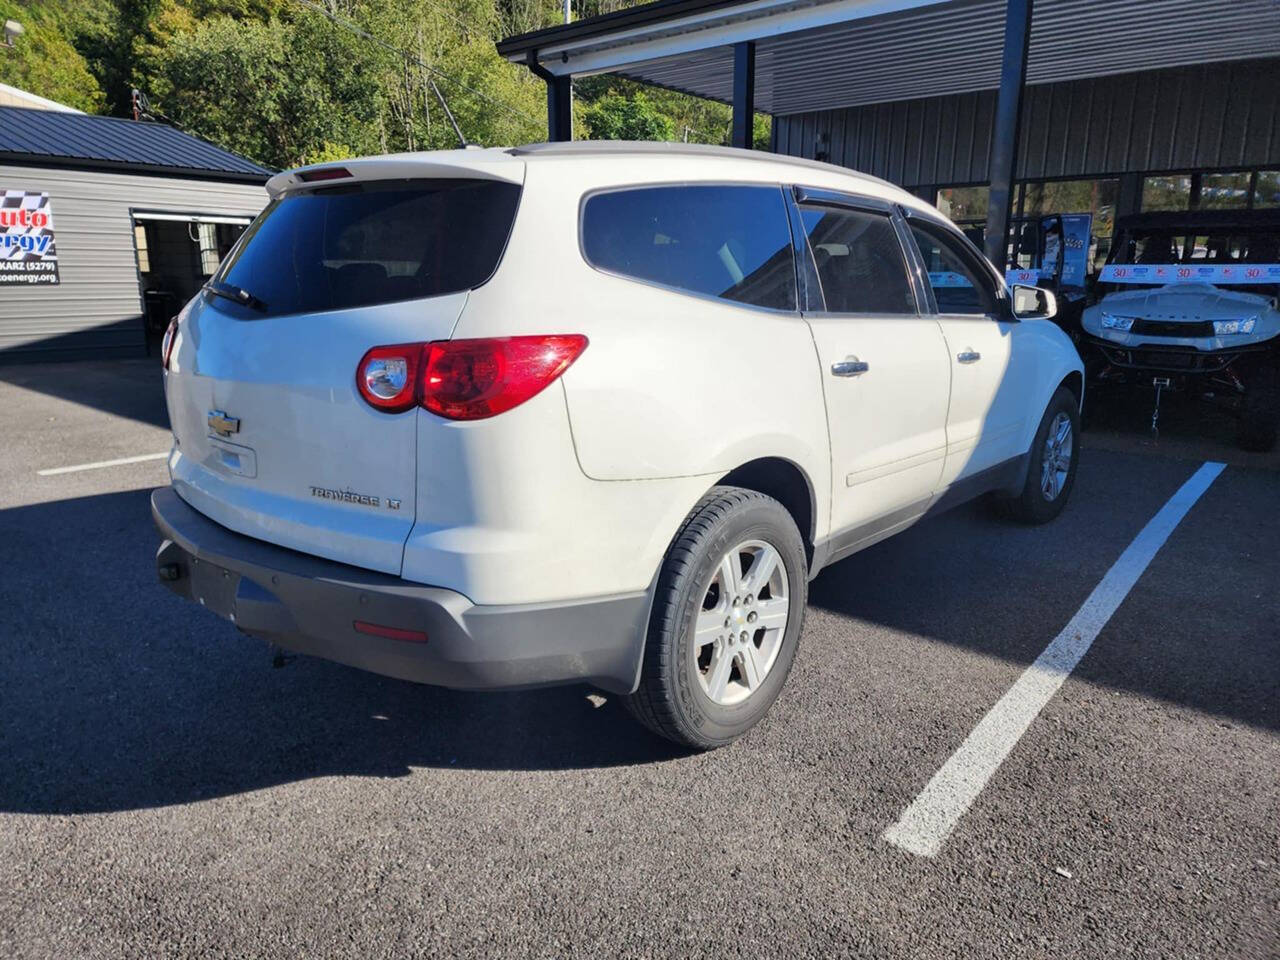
(311, 605)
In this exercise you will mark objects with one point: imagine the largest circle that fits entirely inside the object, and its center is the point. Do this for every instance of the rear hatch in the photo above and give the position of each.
(272, 437)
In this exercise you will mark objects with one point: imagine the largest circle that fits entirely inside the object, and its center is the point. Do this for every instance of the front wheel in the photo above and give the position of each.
(1052, 461)
(726, 620)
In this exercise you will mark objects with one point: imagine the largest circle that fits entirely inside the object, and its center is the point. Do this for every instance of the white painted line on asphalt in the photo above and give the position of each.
(925, 825)
(54, 471)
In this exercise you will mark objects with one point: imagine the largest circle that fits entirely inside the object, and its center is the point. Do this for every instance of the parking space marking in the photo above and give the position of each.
(54, 471)
(925, 825)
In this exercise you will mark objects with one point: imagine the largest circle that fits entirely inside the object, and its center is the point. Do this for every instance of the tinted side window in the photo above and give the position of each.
(958, 284)
(859, 261)
(370, 243)
(722, 241)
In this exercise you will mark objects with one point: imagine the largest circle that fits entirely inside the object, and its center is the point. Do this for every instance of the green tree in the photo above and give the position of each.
(279, 91)
(618, 117)
(44, 61)
(281, 83)
(113, 37)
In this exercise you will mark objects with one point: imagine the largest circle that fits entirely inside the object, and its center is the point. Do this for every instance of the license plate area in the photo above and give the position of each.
(214, 587)
(232, 458)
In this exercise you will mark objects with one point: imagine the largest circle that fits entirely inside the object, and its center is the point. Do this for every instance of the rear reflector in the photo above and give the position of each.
(390, 633)
(324, 173)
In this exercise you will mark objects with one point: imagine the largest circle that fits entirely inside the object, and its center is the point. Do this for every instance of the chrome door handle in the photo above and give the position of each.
(850, 367)
(969, 356)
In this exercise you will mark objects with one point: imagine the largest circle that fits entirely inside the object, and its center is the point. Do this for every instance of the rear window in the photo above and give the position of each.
(729, 242)
(376, 242)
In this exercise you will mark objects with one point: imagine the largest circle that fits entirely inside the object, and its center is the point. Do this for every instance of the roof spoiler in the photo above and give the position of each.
(442, 165)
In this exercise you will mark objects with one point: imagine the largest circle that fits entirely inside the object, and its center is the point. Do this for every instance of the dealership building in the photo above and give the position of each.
(993, 109)
(106, 227)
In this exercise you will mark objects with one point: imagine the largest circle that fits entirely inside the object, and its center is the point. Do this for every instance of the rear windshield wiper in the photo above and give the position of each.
(235, 294)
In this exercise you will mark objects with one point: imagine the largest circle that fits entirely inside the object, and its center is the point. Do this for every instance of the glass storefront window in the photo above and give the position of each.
(1224, 191)
(1166, 193)
(1095, 197)
(1268, 190)
(964, 203)
(1072, 196)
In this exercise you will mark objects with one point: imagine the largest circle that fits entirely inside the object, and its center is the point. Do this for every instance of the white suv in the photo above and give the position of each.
(590, 413)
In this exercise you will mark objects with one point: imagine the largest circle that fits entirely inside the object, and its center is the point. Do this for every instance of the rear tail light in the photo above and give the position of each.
(465, 379)
(474, 379)
(166, 345)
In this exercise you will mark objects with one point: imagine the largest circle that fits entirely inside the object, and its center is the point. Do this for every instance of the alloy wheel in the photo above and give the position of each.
(1055, 463)
(739, 629)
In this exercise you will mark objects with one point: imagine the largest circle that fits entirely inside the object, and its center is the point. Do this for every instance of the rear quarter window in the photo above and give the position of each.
(374, 242)
(729, 242)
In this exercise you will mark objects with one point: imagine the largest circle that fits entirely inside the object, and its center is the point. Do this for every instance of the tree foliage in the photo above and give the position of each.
(45, 60)
(618, 117)
(293, 81)
(278, 91)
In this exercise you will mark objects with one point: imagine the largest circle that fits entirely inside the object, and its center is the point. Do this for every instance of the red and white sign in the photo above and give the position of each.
(28, 254)
(1216, 273)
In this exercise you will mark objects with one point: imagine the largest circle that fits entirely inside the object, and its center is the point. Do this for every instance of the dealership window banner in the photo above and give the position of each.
(27, 251)
(1215, 273)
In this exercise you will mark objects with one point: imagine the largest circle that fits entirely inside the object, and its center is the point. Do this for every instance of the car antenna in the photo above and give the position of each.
(462, 141)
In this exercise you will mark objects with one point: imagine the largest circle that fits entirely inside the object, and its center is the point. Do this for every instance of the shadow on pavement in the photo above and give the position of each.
(116, 695)
(1118, 417)
(1198, 630)
(125, 388)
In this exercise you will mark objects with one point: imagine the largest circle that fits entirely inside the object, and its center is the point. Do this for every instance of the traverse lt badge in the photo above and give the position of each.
(223, 425)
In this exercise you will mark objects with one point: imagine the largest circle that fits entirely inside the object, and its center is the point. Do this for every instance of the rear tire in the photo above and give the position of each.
(726, 620)
(1052, 462)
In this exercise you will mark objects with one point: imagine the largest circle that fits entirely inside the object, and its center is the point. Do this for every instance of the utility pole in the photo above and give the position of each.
(568, 15)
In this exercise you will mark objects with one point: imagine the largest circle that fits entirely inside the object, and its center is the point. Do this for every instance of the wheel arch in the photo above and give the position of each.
(1074, 381)
(783, 480)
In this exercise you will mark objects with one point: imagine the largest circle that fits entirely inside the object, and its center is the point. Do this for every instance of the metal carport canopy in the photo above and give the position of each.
(826, 54)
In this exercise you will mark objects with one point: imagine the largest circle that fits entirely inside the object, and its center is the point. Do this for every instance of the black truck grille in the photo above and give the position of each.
(1172, 328)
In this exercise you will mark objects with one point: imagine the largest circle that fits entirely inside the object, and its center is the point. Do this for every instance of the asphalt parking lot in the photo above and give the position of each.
(165, 792)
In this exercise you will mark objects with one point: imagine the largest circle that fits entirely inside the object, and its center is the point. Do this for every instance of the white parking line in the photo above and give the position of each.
(925, 825)
(54, 471)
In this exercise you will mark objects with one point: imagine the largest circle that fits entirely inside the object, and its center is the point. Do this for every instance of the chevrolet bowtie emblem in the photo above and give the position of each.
(223, 425)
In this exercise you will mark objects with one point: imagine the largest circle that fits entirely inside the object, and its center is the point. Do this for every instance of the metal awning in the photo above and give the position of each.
(788, 57)
(826, 54)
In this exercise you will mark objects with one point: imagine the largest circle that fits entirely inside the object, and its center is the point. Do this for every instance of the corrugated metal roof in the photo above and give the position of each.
(110, 143)
(944, 48)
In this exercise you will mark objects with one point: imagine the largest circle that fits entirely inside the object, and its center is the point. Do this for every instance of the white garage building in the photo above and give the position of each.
(106, 227)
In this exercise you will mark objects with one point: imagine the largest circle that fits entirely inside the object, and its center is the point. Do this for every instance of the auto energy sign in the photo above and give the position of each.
(27, 250)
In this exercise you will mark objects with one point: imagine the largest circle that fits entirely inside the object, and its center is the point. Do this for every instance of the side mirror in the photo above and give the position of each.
(1033, 303)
